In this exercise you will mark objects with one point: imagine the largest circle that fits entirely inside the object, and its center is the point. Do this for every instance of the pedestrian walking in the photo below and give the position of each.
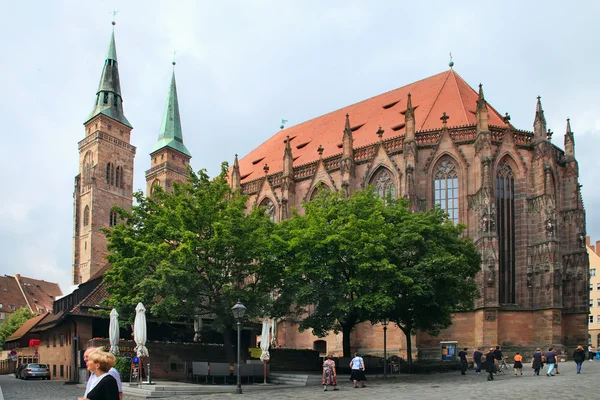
(490, 365)
(518, 363)
(477, 360)
(464, 362)
(358, 371)
(579, 357)
(329, 373)
(551, 361)
(537, 362)
(591, 352)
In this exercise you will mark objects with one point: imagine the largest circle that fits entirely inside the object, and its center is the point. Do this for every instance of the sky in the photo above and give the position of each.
(243, 66)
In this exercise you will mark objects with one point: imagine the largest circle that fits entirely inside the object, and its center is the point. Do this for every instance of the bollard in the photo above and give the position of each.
(149, 379)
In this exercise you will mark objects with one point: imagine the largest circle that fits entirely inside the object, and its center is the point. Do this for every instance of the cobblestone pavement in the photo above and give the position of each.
(451, 385)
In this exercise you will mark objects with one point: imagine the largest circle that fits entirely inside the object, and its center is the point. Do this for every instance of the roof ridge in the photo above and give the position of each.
(464, 106)
(359, 102)
(435, 100)
(474, 91)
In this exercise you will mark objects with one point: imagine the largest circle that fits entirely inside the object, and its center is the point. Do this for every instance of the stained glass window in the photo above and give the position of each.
(445, 189)
(505, 205)
(270, 209)
(384, 183)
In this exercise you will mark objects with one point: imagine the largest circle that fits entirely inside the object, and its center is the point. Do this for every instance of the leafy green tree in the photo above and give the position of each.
(195, 251)
(14, 322)
(435, 266)
(330, 255)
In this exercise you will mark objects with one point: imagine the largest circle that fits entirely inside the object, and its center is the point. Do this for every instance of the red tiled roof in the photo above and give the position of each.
(39, 293)
(10, 294)
(93, 301)
(445, 92)
(26, 327)
(50, 321)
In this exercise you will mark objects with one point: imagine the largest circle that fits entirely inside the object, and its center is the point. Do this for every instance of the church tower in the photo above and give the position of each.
(105, 178)
(169, 158)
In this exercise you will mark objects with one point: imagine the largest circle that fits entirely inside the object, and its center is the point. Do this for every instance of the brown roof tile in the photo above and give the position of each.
(445, 92)
(26, 327)
(10, 294)
(39, 293)
(91, 301)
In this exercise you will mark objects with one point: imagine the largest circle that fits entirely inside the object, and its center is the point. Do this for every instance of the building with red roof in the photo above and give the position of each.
(438, 142)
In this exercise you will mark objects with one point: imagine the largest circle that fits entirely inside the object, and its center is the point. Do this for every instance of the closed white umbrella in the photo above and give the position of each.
(264, 346)
(139, 331)
(113, 332)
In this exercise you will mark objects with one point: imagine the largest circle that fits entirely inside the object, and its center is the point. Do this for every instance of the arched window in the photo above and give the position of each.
(505, 227)
(320, 187)
(445, 189)
(113, 218)
(87, 169)
(270, 209)
(110, 174)
(118, 177)
(156, 182)
(384, 183)
(86, 216)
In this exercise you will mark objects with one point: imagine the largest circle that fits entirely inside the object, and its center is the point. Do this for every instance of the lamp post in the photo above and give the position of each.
(238, 313)
(385, 324)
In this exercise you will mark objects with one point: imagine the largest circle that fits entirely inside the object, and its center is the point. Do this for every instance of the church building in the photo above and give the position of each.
(438, 142)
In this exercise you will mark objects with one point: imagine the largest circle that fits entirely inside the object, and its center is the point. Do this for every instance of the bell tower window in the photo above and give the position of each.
(113, 218)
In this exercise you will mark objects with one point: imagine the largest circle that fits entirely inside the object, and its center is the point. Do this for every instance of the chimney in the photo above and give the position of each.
(587, 240)
(597, 250)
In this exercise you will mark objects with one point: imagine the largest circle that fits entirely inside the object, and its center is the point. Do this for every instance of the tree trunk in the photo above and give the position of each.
(346, 329)
(407, 331)
(228, 345)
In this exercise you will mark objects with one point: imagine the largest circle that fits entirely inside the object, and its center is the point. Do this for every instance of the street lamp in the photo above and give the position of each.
(385, 324)
(238, 313)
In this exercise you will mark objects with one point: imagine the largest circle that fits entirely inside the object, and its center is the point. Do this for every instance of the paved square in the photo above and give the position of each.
(450, 385)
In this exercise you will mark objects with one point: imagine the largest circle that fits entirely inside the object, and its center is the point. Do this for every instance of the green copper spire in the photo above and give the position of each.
(108, 97)
(170, 130)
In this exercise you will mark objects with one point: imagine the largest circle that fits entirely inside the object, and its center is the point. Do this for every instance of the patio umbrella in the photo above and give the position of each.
(113, 332)
(264, 346)
(139, 331)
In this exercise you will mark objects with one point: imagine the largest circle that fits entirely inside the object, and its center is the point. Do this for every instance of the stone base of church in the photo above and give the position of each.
(514, 330)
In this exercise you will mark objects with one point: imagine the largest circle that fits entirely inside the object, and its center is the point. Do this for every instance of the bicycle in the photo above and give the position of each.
(503, 365)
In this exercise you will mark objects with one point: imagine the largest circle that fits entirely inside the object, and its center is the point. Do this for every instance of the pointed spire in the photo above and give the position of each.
(108, 96)
(409, 120)
(482, 112)
(539, 123)
(236, 178)
(569, 140)
(347, 140)
(170, 130)
(288, 160)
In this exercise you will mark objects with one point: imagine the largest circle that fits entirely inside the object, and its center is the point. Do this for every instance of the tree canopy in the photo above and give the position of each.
(195, 251)
(14, 322)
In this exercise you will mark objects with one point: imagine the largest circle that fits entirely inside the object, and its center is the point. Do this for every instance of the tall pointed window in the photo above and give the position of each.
(383, 182)
(113, 218)
(270, 209)
(118, 177)
(505, 206)
(110, 173)
(87, 170)
(86, 216)
(445, 189)
(320, 187)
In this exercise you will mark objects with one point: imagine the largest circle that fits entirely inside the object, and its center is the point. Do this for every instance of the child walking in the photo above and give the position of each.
(518, 363)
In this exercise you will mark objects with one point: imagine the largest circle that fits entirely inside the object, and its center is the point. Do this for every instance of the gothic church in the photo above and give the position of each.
(435, 142)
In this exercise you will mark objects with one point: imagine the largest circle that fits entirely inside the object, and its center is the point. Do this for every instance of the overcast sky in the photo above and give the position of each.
(242, 66)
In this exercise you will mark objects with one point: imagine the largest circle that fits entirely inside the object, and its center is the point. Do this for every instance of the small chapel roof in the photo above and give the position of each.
(431, 97)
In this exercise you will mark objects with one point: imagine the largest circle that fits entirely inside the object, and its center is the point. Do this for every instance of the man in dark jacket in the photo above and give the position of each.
(489, 364)
(464, 364)
(477, 354)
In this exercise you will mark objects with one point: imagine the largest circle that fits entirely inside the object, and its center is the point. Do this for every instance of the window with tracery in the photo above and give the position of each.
(383, 181)
(119, 177)
(270, 209)
(445, 189)
(86, 216)
(110, 173)
(320, 187)
(113, 218)
(156, 182)
(505, 227)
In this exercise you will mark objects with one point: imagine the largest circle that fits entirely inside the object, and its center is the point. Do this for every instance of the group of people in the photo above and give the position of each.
(357, 375)
(493, 358)
(104, 382)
